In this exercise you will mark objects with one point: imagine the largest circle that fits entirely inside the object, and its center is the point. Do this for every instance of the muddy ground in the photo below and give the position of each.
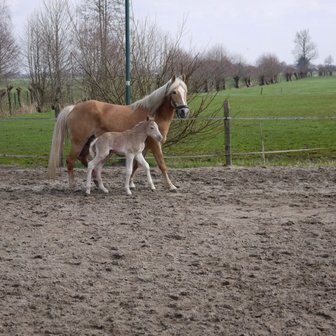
(240, 251)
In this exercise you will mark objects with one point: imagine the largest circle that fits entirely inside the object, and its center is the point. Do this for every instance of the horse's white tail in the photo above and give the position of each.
(56, 150)
(92, 153)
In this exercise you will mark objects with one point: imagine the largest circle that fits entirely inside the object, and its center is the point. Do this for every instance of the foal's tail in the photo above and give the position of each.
(92, 144)
(56, 150)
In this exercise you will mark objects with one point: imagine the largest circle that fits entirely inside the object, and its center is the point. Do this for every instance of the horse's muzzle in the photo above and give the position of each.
(182, 111)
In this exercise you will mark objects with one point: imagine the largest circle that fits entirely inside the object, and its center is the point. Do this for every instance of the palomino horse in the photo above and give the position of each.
(93, 118)
(131, 143)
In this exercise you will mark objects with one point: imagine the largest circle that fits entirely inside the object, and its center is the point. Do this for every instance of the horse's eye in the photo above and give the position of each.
(174, 92)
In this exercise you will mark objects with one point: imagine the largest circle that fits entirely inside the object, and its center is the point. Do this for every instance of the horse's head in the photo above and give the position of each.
(177, 91)
(153, 129)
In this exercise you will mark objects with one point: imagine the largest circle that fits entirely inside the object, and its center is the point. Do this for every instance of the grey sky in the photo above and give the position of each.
(244, 27)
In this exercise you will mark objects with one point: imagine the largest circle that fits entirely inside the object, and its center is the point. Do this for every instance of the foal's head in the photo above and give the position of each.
(152, 129)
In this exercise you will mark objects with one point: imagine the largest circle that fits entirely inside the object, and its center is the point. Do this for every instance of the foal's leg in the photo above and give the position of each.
(83, 157)
(99, 178)
(71, 159)
(129, 168)
(156, 149)
(139, 157)
(96, 165)
(135, 167)
(91, 167)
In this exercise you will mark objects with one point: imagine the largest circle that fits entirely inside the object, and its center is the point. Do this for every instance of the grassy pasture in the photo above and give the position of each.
(310, 98)
(26, 139)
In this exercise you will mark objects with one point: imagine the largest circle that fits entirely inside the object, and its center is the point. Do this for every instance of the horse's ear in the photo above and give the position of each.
(173, 79)
(183, 77)
(147, 118)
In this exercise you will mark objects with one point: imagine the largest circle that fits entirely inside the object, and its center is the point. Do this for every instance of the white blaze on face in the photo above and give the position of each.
(182, 94)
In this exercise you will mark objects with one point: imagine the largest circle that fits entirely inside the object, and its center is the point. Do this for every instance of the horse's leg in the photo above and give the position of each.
(139, 157)
(79, 150)
(129, 168)
(84, 154)
(156, 149)
(71, 159)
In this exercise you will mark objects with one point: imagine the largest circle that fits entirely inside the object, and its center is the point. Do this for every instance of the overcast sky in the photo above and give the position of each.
(248, 28)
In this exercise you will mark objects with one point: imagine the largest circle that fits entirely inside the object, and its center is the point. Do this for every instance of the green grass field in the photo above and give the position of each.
(309, 98)
(25, 140)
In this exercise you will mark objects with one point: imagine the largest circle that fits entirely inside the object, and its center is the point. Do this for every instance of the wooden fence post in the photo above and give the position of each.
(227, 133)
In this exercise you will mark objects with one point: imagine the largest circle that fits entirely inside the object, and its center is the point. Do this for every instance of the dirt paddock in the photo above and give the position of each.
(240, 251)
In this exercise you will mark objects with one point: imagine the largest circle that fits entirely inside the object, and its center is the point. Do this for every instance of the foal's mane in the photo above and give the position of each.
(155, 99)
(139, 124)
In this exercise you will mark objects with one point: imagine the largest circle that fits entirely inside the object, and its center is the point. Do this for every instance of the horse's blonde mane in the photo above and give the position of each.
(155, 99)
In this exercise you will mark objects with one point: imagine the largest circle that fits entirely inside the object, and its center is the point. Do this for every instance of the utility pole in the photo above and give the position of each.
(128, 52)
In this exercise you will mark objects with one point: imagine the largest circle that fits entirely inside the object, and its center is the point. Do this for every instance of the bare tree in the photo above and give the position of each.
(99, 51)
(153, 57)
(269, 68)
(57, 41)
(288, 70)
(249, 73)
(305, 51)
(100, 55)
(48, 43)
(36, 61)
(215, 68)
(156, 57)
(329, 65)
(9, 51)
(237, 70)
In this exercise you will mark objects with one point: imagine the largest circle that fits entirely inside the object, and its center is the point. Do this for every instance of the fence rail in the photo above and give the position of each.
(227, 153)
(7, 119)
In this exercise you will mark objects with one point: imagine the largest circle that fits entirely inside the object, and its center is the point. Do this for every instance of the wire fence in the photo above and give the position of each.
(225, 154)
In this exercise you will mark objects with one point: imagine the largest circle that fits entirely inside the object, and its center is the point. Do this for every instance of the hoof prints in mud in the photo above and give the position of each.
(233, 252)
